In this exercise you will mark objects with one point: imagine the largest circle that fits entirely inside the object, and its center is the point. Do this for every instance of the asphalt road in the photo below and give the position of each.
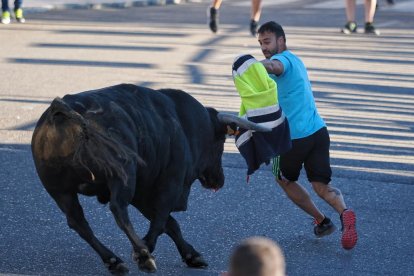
(363, 85)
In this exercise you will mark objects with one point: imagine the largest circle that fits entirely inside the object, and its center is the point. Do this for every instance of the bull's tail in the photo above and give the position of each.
(94, 150)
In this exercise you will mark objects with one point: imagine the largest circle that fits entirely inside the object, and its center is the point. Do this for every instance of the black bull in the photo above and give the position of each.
(131, 145)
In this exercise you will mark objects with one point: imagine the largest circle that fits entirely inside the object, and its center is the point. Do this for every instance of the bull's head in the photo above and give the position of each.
(212, 176)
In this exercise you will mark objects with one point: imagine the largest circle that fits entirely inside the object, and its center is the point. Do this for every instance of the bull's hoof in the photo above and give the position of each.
(148, 266)
(117, 267)
(145, 261)
(195, 261)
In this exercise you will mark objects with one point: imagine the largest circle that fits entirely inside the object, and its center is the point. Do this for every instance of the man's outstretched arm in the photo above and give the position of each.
(273, 66)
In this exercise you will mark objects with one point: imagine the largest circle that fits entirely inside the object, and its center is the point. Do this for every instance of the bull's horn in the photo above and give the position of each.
(241, 122)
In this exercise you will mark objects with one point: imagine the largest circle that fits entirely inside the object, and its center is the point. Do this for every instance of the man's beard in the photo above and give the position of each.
(271, 53)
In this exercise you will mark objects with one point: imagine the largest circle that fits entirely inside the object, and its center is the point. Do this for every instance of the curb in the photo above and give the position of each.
(104, 5)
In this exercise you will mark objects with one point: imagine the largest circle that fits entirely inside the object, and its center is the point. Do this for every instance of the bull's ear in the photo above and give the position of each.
(219, 128)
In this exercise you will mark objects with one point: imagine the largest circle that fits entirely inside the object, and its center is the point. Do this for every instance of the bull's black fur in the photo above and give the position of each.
(129, 145)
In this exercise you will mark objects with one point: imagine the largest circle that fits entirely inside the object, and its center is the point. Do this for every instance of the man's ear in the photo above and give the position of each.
(280, 40)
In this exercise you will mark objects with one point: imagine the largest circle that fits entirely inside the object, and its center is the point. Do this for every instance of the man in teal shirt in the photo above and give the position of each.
(310, 137)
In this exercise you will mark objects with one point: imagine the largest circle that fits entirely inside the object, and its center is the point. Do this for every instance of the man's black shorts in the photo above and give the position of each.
(312, 152)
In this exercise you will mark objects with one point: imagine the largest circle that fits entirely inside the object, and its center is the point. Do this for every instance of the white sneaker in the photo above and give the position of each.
(5, 17)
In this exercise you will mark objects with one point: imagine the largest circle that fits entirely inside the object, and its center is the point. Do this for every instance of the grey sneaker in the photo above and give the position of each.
(349, 28)
(326, 227)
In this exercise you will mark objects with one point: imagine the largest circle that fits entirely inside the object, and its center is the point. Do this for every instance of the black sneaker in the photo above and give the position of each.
(349, 28)
(253, 27)
(370, 29)
(326, 227)
(213, 20)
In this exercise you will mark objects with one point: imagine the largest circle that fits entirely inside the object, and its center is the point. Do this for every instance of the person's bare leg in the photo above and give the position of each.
(331, 195)
(216, 4)
(370, 6)
(256, 10)
(301, 198)
(255, 16)
(350, 6)
(214, 17)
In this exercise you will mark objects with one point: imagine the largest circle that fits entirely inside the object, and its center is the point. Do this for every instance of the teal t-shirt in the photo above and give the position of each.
(296, 97)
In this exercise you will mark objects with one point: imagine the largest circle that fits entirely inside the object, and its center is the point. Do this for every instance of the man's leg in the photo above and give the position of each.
(5, 5)
(18, 11)
(256, 10)
(301, 198)
(370, 7)
(286, 169)
(214, 17)
(255, 16)
(5, 15)
(350, 6)
(350, 26)
(216, 4)
(331, 195)
(18, 4)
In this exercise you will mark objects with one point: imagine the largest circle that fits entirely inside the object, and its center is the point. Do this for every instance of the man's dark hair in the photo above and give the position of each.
(272, 27)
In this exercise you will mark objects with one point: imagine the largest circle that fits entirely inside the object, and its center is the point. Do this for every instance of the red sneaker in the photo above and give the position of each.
(349, 233)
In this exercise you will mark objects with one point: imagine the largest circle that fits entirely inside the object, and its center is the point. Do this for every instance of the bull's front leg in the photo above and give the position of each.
(189, 255)
(162, 222)
(69, 204)
(170, 226)
(162, 205)
(121, 196)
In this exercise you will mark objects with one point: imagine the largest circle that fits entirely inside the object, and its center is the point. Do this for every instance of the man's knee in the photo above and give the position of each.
(320, 188)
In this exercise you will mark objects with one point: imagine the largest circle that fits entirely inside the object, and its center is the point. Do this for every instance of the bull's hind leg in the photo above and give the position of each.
(69, 204)
(121, 195)
(189, 255)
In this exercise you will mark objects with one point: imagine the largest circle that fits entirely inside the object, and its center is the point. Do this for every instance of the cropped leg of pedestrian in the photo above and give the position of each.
(5, 16)
(370, 8)
(351, 25)
(254, 16)
(18, 12)
(214, 18)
